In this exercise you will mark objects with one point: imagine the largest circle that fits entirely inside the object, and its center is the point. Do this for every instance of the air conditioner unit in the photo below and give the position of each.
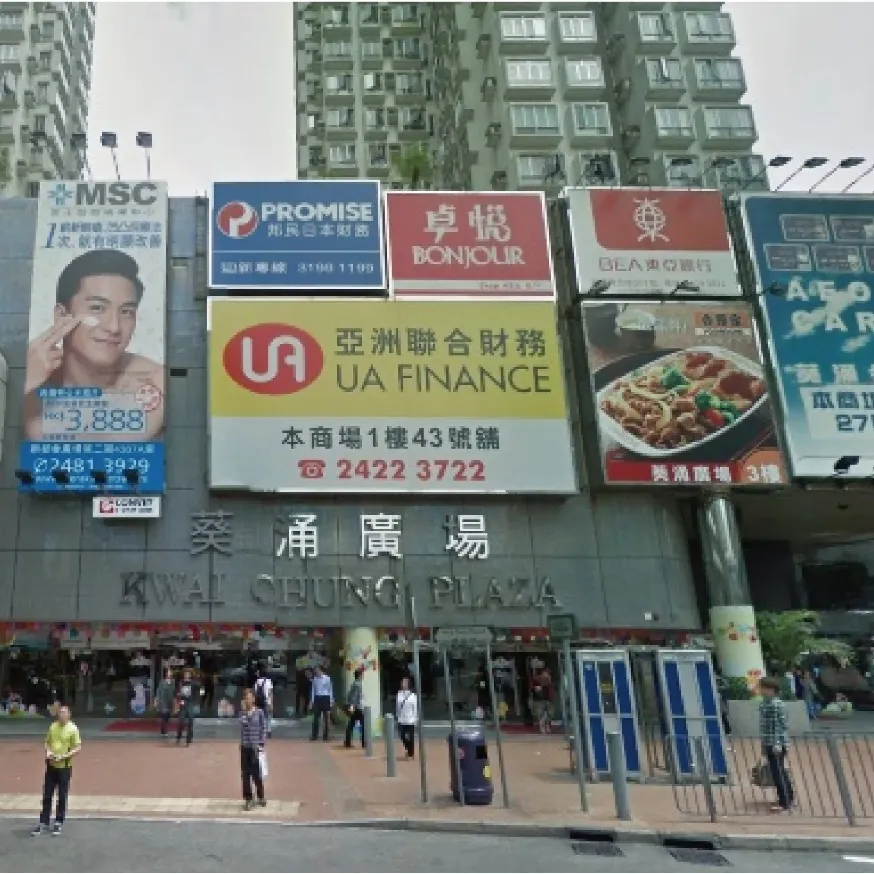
(489, 86)
(493, 134)
(483, 45)
(478, 10)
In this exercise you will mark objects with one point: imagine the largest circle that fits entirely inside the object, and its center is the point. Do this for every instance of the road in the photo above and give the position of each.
(95, 845)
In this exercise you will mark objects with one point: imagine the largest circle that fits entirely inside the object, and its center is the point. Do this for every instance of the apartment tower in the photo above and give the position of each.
(45, 79)
(525, 95)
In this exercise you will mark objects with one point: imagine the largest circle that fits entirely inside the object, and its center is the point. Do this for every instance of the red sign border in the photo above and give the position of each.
(444, 294)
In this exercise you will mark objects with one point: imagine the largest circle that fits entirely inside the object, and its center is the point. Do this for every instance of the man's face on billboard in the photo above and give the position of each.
(107, 309)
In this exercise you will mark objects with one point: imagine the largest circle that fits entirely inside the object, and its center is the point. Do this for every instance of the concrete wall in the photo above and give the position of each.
(609, 559)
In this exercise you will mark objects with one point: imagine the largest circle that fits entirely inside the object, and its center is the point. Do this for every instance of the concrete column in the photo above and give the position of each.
(361, 650)
(732, 619)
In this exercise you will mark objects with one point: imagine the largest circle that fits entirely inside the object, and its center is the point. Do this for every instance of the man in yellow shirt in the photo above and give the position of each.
(63, 742)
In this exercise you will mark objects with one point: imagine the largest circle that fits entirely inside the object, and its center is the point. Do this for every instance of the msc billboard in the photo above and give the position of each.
(365, 396)
(94, 397)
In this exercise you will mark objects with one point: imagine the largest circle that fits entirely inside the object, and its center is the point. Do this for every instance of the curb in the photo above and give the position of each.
(607, 835)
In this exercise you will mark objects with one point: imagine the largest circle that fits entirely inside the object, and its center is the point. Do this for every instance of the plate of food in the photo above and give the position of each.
(679, 401)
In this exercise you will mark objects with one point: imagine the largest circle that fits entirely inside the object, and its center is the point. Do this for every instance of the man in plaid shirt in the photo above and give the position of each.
(773, 727)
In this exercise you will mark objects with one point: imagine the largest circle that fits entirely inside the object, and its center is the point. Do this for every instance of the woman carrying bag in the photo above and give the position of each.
(407, 713)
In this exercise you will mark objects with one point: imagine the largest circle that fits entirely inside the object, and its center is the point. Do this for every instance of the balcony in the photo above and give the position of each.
(589, 124)
(373, 55)
(344, 166)
(339, 91)
(584, 78)
(337, 23)
(378, 121)
(538, 172)
(576, 32)
(745, 172)
(529, 80)
(409, 89)
(10, 58)
(717, 79)
(409, 53)
(483, 46)
(523, 34)
(659, 79)
(682, 171)
(11, 27)
(337, 58)
(368, 19)
(406, 18)
(595, 168)
(536, 126)
(669, 127)
(374, 88)
(412, 124)
(341, 125)
(653, 33)
(710, 33)
(730, 127)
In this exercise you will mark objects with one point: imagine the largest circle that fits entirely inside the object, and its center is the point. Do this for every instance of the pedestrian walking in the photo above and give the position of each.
(62, 743)
(355, 708)
(322, 701)
(186, 699)
(253, 738)
(165, 697)
(773, 727)
(407, 715)
(264, 696)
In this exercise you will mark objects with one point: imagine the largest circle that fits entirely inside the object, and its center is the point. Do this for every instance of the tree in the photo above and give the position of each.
(788, 636)
(414, 166)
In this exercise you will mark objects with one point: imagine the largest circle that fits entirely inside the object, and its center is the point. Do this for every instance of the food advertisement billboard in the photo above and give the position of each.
(387, 396)
(680, 395)
(651, 241)
(93, 412)
(813, 256)
(307, 235)
(483, 244)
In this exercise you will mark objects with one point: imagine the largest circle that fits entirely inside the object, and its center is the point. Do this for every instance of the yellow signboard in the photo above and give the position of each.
(387, 396)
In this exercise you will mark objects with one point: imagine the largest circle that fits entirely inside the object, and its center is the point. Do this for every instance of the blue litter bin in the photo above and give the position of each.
(476, 772)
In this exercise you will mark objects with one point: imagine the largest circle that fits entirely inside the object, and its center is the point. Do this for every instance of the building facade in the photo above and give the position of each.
(301, 573)
(46, 52)
(525, 95)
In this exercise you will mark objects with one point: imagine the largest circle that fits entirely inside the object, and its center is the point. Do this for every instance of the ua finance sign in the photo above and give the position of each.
(303, 235)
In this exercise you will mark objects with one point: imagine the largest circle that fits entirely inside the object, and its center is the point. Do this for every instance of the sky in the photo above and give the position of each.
(214, 84)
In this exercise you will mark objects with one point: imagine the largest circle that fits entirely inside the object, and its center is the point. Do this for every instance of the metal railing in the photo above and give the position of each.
(831, 776)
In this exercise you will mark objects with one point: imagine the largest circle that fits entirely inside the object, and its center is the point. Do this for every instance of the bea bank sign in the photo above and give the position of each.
(297, 236)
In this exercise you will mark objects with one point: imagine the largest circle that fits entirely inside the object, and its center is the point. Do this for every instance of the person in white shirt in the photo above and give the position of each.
(407, 716)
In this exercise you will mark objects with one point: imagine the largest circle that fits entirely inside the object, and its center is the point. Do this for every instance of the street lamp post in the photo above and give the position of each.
(843, 164)
(109, 140)
(144, 141)
(809, 164)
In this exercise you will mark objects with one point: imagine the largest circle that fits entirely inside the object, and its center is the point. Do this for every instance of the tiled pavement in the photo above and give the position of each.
(318, 782)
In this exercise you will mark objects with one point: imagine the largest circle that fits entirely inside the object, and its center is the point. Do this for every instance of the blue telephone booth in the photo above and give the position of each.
(691, 709)
(607, 703)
